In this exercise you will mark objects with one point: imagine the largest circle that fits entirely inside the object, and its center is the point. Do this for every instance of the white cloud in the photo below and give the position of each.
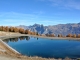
(15, 15)
(13, 18)
(73, 4)
(14, 22)
(38, 12)
(50, 22)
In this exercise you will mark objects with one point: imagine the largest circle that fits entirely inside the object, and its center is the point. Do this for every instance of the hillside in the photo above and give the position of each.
(64, 29)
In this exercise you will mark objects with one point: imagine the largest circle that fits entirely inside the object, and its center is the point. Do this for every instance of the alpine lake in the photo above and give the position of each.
(46, 48)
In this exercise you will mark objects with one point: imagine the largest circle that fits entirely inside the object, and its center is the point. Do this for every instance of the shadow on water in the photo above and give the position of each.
(27, 38)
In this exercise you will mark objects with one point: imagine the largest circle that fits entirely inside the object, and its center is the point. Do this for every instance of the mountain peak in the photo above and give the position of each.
(63, 29)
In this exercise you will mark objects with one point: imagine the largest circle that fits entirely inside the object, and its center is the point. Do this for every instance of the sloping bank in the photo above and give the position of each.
(8, 47)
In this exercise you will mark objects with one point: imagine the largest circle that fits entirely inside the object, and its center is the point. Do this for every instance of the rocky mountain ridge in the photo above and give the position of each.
(73, 28)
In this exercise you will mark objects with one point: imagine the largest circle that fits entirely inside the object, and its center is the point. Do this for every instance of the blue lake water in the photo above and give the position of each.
(47, 48)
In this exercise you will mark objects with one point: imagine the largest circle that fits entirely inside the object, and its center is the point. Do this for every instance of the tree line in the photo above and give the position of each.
(22, 31)
(17, 30)
(60, 35)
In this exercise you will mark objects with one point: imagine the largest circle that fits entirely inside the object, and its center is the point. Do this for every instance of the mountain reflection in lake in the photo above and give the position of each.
(48, 48)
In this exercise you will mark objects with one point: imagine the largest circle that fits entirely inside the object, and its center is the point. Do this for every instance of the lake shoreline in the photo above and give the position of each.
(18, 35)
(52, 38)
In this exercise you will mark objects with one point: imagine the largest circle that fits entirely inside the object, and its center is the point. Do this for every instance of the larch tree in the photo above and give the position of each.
(11, 29)
(74, 36)
(16, 29)
(60, 35)
(78, 36)
(69, 35)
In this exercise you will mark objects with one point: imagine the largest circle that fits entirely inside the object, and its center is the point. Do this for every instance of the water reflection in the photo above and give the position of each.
(27, 38)
(17, 38)
(37, 38)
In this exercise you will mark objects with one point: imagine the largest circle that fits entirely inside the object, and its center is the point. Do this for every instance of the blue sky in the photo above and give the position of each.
(46, 12)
